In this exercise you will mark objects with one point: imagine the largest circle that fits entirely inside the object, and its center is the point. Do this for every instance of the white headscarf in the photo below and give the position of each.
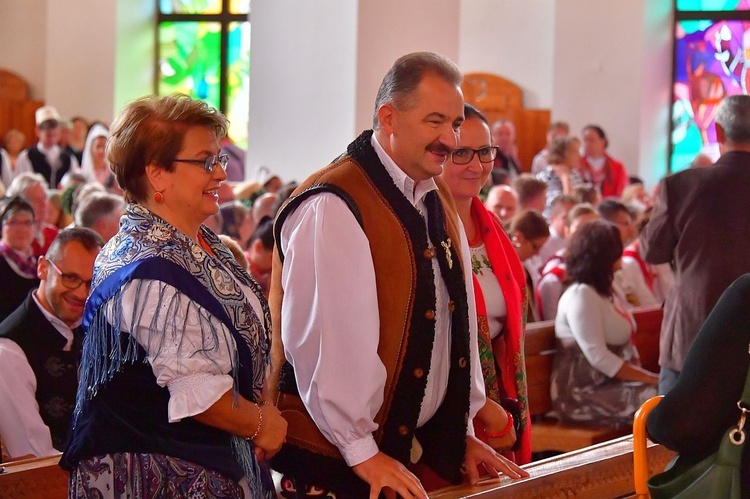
(87, 164)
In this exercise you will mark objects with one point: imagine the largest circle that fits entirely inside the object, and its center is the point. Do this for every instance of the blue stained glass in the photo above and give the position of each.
(712, 5)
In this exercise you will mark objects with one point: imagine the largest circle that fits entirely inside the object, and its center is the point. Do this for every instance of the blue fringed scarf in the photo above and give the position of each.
(148, 251)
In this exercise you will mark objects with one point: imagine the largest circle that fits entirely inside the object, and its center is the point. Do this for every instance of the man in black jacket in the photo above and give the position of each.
(40, 348)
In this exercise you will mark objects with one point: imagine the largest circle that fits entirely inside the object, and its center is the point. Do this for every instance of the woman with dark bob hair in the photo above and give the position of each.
(596, 377)
(177, 334)
(17, 261)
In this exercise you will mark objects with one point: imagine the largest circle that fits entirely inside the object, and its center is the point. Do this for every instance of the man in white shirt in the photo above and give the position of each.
(376, 314)
(556, 129)
(40, 349)
(46, 157)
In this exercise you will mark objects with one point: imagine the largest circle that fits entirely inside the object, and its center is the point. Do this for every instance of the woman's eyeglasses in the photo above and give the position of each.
(209, 164)
(464, 155)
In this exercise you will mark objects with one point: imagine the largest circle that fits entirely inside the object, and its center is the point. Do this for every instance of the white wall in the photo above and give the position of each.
(511, 38)
(302, 83)
(611, 69)
(388, 29)
(80, 59)
(23, 38)
(134, 37)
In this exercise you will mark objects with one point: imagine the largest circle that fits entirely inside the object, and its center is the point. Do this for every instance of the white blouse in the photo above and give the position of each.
(594, 321)
(494, 301)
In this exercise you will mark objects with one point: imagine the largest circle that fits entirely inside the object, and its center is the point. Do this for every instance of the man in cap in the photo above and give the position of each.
(46, 157)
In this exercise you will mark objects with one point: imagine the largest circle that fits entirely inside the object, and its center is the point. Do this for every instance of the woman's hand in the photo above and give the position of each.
(272, 433)
(495, 420)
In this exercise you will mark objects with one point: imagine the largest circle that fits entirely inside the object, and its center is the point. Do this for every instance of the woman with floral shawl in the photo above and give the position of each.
(177, 334)
(499, 290)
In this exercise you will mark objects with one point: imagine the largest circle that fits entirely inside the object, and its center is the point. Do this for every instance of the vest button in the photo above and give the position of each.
(418, 373)
(429, 315)
(451, 305)
(403, 430)
(429, 253)
(462, 362)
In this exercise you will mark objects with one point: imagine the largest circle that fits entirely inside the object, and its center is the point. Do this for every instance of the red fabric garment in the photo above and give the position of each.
(507, 267)
(48, 234)
(614, 182)
(633, 251)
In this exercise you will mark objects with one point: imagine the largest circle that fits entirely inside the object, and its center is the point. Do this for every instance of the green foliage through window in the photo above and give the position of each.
(204, 52)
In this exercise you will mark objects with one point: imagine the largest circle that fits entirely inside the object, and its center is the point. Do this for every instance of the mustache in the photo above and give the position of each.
(438, 147)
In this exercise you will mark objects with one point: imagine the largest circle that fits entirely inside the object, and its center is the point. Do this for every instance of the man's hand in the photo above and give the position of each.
(479, 453)
(384, 472)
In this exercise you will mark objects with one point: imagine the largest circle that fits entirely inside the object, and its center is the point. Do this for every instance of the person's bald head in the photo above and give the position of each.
(502, 201)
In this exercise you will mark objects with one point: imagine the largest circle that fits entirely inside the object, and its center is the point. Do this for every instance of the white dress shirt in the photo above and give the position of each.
(21, 426)
(23, 163)
(331, 325)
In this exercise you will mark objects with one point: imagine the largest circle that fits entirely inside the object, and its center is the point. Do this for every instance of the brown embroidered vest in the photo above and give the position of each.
(406, 294)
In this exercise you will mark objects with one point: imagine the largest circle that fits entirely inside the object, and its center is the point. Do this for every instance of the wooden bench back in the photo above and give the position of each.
(540, 354)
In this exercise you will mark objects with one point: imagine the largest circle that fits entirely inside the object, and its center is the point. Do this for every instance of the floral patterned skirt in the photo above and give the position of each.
(146, 476)
(582, 394)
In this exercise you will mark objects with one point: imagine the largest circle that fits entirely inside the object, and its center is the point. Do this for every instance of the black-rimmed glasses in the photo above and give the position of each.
(70, 281)
(464, 155)
(208, 164)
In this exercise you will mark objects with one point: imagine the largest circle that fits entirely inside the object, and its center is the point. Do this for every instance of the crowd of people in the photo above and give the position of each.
(174, 329)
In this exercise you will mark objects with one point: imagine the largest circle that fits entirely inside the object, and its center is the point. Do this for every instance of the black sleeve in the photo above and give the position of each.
(692, 417)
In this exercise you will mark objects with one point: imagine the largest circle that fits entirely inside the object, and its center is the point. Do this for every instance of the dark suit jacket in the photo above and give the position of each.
(701, 220)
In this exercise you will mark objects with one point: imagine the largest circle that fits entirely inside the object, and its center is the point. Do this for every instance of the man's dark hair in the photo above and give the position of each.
(264, 233)
(89, 239)
(592, 253)
(405, 75)
(611, 207)
(527, 186)
(531, 224)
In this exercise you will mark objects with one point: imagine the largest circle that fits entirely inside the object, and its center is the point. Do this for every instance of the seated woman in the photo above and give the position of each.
(529, 231)
(498, 287)
(562, 173)
(713, 378)
(17, 263)
(596, 377)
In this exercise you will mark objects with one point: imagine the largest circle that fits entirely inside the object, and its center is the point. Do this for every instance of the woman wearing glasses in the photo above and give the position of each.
(498, 287)
(177, 337)
(18, 263)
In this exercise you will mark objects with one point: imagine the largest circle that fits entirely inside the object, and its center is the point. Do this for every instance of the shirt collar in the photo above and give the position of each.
(62, 328)
(45, 150)
(414, 191)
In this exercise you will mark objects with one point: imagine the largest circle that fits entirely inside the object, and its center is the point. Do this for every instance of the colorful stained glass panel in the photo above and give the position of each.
(239, 6)
(711, 62)
(238, 80)
(190, 6)
(712, 5)
(189, 59)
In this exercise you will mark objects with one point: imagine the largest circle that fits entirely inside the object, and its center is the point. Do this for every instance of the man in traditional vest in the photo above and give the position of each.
(374, 331)
(40, 348)
(46, 157)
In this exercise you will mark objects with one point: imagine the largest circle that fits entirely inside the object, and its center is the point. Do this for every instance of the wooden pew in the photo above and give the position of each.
(37, 478)
(548, 433)
(600, 471)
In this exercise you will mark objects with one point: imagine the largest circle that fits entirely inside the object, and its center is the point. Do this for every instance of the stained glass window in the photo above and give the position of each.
(711, 59)
(204, 52)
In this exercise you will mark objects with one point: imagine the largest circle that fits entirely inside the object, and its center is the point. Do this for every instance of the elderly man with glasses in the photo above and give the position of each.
(40, 348)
